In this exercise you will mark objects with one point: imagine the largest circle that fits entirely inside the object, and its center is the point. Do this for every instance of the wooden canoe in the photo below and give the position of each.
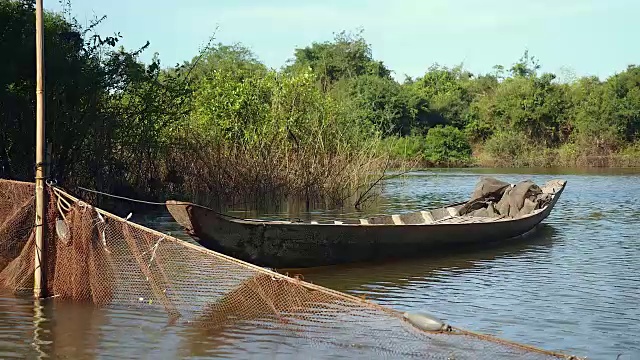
(287, 244)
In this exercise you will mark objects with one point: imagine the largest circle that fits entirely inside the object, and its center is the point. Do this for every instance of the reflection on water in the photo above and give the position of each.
(402, 274)
(572, 285)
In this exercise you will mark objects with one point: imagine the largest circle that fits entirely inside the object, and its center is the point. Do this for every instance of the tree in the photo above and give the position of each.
(592, 118)
(445, 145)
(525, 67)
(234, 59)
(533, 106)
(382, 101)
(626, 87)
(445, 94)
(106, 112)
(347, 56)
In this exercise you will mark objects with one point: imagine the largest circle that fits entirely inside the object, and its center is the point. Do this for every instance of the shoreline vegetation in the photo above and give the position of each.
(222, 128)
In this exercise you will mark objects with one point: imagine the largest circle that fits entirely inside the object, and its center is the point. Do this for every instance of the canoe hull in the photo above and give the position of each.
(297, 245)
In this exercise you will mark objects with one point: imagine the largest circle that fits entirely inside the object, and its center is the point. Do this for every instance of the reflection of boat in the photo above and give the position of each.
(378, 277)
(284, 244)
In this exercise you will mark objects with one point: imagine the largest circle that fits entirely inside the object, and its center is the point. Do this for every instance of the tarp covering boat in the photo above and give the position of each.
(495, 198)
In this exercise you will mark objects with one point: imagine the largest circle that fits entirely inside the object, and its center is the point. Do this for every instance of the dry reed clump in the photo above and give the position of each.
(223, 174)
(595, 154)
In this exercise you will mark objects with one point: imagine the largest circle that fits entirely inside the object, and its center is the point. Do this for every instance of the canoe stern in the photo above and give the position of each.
(180, 212)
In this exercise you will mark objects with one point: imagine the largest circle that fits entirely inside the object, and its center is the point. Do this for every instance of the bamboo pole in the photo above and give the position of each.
(39, 285)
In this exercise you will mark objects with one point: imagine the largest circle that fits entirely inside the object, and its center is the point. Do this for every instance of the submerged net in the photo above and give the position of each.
(98, 258)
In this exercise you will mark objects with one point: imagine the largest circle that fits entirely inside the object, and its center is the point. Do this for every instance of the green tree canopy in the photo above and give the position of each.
(347, 56)
(234, 59)
(382, 101)
(445, 97)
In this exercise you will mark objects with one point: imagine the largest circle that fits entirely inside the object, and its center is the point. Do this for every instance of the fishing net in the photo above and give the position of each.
(98, 258)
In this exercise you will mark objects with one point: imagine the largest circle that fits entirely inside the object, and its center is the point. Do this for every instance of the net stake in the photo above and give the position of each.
(39, 276)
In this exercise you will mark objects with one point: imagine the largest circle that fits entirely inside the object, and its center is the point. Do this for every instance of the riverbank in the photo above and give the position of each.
(567, 156)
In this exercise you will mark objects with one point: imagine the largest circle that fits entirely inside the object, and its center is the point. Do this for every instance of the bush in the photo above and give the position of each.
(447, 145)
(506, 147)
(630, 156)
(568, 155)
(405, 147)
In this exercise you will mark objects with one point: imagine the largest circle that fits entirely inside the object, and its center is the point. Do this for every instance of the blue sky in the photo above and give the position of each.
(581, 37)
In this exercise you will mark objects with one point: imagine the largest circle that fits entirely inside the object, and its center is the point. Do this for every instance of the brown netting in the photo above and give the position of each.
(83, 266)
(104, 260)
(17, 235)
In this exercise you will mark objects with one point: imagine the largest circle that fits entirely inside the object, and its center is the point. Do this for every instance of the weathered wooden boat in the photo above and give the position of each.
(297, 244)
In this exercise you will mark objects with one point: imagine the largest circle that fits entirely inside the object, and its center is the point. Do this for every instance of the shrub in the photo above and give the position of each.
(447, 145)
(405, 147)
(506, 147)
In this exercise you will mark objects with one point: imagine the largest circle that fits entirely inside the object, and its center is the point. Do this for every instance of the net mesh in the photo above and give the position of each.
(95, 257)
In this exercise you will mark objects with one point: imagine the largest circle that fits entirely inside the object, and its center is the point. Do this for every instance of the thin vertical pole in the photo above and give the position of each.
(39, 285)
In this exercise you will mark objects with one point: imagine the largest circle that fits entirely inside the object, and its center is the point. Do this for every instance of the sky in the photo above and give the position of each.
(569, 37)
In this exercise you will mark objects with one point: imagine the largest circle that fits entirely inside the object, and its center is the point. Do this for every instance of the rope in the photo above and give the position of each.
(526, 347)
(122, 197)
(156, 203)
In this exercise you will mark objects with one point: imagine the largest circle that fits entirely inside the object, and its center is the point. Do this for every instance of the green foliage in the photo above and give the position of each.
(405, 147)
(444, 97)
(533, 106)
(626, 87)
(593, 118)
(285, 108)
(380, 101)
(347, 56)
(83, 75)
(632, 151)
(228, 108)
(606, 115)
(109, 118)
(446, 145)
(234, 59)
(479, 125)
(313, 127)
(506, 145)
(527, 66)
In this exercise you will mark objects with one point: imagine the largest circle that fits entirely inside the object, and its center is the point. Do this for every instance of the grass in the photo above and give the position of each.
(219, 174)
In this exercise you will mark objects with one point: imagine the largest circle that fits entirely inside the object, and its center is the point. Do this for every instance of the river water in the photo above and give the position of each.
(572, 286)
